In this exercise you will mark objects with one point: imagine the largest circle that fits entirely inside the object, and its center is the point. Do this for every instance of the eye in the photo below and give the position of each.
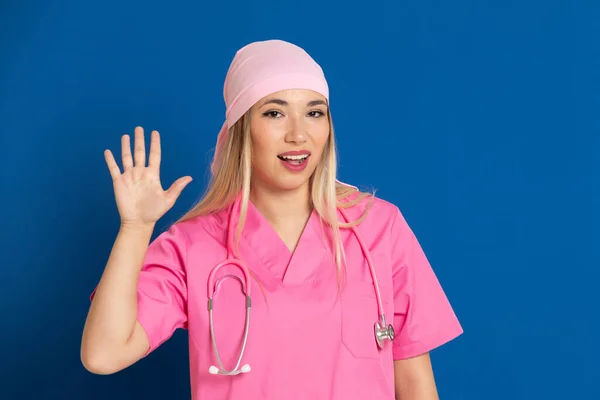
(316, 113)
(272, 114)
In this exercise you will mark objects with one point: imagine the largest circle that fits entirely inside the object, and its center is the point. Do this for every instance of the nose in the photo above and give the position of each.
(297, 131)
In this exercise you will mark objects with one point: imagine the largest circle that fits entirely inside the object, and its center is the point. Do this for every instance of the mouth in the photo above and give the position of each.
(294, 159)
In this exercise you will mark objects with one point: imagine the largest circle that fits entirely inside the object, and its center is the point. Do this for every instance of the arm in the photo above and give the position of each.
(126, 298)
(423, 317)
(413, 379)
(112, 338)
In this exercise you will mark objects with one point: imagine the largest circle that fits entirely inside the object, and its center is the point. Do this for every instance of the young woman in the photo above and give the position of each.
(291, 285)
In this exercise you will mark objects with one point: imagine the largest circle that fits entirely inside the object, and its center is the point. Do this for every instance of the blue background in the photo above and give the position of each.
(479, 119)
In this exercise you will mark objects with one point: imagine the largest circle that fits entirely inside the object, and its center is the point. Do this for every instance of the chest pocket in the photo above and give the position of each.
(359, 313)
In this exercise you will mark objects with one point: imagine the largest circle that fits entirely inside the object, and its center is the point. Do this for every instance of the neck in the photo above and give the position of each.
(282, 206)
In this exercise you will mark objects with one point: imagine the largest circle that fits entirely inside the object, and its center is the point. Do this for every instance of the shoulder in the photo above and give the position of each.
(378, 220)
(196, 230)
(371, 209)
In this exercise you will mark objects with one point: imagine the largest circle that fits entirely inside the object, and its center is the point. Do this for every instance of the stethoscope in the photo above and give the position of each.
(383, 332)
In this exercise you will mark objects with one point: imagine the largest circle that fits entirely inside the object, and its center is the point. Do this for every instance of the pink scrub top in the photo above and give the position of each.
(304, 341)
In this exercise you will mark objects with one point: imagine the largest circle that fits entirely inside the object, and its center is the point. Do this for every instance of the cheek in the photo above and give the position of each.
(320, 138)
(262, 161)
(264, 139)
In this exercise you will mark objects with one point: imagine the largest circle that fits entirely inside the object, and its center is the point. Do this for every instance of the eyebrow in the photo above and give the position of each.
(285, 103)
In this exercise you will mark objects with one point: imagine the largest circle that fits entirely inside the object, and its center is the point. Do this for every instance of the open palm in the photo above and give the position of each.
(138, 192)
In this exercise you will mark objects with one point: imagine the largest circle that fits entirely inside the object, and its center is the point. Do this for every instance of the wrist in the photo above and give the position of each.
(137, 227)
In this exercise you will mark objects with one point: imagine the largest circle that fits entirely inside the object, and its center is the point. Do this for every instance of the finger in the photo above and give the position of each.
(177, 187)
(139, 152)
(113, 168)
(126, 152)
(154, 158)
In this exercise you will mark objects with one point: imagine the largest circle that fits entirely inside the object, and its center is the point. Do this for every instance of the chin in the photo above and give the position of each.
(281, 179)
(286, 181)
(289, 183)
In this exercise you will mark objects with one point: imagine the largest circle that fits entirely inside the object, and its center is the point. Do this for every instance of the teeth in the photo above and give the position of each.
(295, 157)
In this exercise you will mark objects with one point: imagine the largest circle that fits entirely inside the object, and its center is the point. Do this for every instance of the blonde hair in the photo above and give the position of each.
(232, 177)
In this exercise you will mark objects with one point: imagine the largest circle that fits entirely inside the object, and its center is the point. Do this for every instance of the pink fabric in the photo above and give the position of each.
(261, 68)
(304, 342)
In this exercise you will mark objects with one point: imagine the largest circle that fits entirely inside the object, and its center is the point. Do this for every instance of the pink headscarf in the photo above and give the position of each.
(261, 68)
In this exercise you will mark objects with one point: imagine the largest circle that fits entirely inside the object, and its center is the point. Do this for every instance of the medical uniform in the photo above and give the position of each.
(306, 341)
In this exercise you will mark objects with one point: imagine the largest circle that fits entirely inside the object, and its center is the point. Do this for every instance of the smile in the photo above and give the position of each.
(295, 161)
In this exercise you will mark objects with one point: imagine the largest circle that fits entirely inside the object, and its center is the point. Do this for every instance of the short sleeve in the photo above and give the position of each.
(162, 288)
(423, 317)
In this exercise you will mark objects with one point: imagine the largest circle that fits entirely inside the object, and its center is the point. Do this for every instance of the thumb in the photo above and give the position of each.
(177, 187)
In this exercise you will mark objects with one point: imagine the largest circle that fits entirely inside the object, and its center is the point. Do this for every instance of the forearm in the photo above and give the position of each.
(416, 390)
(414, 380)
(113, 311)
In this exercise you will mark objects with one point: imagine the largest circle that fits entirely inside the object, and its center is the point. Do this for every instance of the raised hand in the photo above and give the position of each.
(140, 198)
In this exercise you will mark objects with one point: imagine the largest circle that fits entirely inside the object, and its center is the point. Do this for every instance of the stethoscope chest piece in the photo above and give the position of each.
(383, 333)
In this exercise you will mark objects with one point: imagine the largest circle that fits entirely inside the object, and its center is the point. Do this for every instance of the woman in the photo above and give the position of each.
(317, 253)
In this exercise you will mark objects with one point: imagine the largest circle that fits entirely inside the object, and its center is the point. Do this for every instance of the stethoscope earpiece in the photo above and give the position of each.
(216, 371)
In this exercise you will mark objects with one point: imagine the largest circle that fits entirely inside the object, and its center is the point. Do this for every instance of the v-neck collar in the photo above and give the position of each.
(294, 268)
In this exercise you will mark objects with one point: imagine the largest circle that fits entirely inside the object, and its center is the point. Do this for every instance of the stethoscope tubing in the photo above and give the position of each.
(246, 288)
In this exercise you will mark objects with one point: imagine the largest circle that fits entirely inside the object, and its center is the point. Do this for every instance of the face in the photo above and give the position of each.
(289, 132)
